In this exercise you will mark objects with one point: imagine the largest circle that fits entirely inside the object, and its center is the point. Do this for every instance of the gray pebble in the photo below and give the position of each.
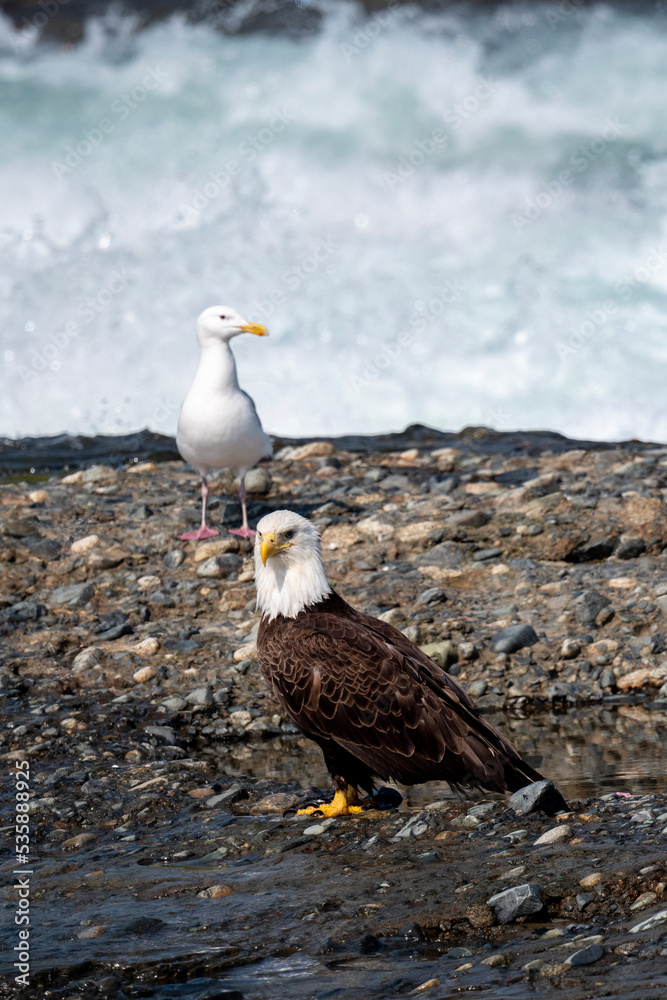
(220, 566)
(513, 638)
(586, 956)
(173, 559)
(75, 595)
(588, 606)
(200, 696)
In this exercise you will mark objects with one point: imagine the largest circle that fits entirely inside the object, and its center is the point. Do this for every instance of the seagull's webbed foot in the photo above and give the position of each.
(242, 532)
(199, 535)
(344, 803)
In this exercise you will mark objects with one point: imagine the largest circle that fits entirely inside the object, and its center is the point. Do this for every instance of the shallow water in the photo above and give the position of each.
(387, 193)
(590, 751)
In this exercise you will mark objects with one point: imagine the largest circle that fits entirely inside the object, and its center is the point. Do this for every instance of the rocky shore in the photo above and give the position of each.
(164, 777)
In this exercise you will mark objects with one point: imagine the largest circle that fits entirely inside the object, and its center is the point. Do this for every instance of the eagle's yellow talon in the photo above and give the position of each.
(344, 804)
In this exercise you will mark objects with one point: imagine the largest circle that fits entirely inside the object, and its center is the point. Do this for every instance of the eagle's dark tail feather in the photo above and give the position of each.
(518, 774)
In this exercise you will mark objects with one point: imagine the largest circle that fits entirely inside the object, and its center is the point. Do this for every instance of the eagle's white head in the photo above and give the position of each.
(289, 572)
(223, 323)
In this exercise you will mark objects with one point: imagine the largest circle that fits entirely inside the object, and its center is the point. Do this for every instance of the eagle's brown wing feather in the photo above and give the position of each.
(362, 684)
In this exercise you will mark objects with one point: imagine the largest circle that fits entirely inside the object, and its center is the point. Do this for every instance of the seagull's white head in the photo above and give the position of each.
(223, 323)
(289, 572)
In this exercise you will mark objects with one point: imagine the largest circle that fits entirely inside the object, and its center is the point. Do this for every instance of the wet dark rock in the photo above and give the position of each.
(583, 899)
(200, 988)
(586, 956)
(108, 986)
(513, 638)
(520, 901)
(516, 477)
(539, 796)
(412, 932)
(459, 952)
(44, 548)
(115, 632)
(596, 548)
(75, 595)
(144, 925)
(588, 606)
(369, 945)
(234, 794)
(485, 555)
(631, 548)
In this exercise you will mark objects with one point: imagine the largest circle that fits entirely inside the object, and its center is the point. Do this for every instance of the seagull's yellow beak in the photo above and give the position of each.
(257, 328)
(268, 546)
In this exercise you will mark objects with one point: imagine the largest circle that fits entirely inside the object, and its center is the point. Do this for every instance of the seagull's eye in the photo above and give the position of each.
(223, 317)
(289, 534)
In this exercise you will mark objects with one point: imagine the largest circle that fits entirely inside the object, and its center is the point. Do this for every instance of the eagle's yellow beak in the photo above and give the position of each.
(268, 546)
(257, 328)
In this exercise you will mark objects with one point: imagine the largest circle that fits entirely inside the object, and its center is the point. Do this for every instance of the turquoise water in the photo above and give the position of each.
(442, 217)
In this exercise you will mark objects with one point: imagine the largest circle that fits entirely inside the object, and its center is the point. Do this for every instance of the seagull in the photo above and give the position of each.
(218, 426)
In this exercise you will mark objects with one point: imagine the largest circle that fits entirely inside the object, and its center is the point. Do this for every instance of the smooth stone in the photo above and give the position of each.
(539, 796)
(220, 566)
(484, 555)
(459, 952)
(200, 696)
(513, 638)
(520, 901)
(258, 481)
(75, 595)
(554, 836)
(173, 559)
(477, 689)
(445, 555)
(395, 482)
(174, 704)
(588, 606)
(443, 652)
(586, 956)
(434, 595)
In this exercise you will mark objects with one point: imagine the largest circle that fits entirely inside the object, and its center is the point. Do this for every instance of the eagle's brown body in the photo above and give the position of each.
(378, 706)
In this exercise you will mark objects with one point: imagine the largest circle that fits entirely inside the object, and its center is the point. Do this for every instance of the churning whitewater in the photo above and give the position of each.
(436, 227)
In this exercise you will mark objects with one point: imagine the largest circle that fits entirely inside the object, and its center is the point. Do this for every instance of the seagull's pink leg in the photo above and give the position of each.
(203, 531)
(244, 531)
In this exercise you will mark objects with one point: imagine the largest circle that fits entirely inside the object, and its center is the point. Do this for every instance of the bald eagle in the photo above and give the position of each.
(377, 705)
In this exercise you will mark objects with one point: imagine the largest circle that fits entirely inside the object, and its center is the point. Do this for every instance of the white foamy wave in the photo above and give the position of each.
(444, 218)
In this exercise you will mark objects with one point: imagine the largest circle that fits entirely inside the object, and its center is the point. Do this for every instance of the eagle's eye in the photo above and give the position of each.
(289, 534)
